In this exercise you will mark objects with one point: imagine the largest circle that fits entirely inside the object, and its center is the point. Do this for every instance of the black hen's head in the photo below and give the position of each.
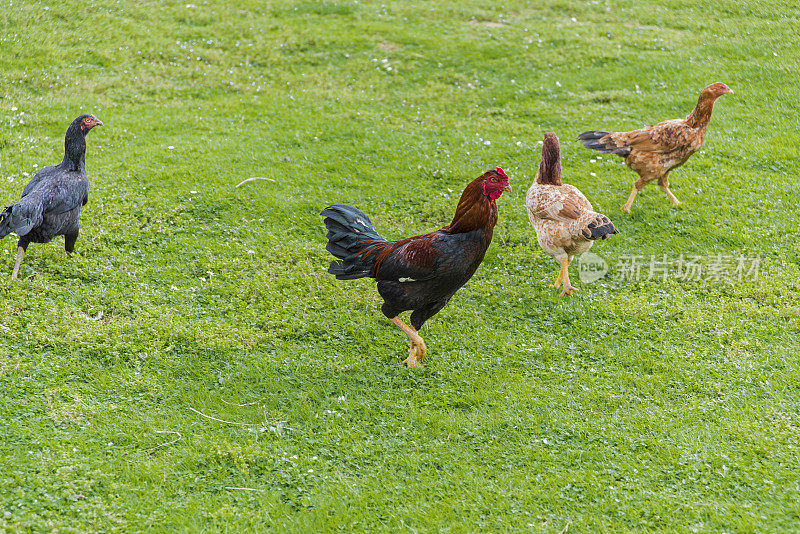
(75, 142)
(85, 123)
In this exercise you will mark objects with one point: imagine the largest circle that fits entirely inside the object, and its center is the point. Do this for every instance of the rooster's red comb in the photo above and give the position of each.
(502, 173)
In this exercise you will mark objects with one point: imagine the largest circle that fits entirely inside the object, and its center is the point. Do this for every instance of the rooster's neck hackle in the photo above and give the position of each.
(550, 167)
(475, 210)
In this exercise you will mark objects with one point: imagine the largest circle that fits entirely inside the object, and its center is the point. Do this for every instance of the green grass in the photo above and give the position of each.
(634, 406)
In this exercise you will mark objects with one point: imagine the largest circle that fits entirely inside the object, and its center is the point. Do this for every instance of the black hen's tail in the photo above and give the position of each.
(600, 228)
(5, 222)
(351, 235)
(601, 142)
(22, 216)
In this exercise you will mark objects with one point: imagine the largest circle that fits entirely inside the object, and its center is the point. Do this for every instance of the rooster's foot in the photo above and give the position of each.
(415, 353)
(417, 350)
(413, 360)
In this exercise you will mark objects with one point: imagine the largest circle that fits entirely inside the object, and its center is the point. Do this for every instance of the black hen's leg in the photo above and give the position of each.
(69, 242)
(22, 245)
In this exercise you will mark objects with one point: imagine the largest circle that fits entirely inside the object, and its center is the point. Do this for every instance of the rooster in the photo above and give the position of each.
(564, 221)
(654, 151)
(418, 273)
(51, 202)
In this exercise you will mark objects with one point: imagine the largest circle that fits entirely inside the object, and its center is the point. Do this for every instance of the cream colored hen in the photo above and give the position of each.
(565, 223)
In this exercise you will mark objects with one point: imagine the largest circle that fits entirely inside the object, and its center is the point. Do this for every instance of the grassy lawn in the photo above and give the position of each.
(193, 367)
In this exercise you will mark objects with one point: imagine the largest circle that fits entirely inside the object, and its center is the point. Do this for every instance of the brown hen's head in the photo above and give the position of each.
(494, 183)
(716, 90)
(550, 167)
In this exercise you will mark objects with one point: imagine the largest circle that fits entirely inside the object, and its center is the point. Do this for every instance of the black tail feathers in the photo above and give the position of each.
(595, 140)
(350, 231)
(5, 222)
(600, 228)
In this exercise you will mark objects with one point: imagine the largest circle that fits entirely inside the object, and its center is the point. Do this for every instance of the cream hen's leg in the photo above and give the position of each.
(20, 255)
(560, 276)
(664, 184)
(568, 287)
(417, 350)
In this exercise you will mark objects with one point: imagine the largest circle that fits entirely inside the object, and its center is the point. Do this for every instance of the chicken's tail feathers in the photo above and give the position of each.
(351, 236)
(5, 222)
(600, 228)
(346, 271)
(603, 142)
(22, 216)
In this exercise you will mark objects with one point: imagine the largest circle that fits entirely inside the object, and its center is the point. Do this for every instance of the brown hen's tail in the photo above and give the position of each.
(600, 228)
(602, 142)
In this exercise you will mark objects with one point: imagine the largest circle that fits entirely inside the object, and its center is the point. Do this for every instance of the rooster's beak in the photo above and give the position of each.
(507, 188)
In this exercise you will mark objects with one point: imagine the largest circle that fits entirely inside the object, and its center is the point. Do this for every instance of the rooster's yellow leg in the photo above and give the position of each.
(20, 255)
(417, 350)
(568, 287)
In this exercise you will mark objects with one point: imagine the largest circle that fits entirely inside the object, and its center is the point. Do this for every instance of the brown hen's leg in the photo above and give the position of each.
(637, 186)
(664, 184)
(20, 255)
(568, 287)
(627, 206)
(417, 350)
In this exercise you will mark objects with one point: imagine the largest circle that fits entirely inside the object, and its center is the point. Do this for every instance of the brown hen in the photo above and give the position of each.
(654, 151)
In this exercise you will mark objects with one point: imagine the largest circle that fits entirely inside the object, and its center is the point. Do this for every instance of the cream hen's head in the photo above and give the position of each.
(550, 167)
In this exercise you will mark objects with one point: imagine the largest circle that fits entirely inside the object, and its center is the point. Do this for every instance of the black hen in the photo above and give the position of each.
(419, 273)
(51, 202)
